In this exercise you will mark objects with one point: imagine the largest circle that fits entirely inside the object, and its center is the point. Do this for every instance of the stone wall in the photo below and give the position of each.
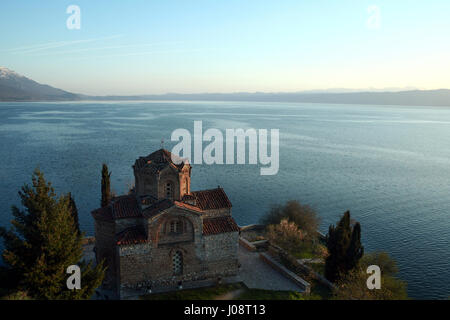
(221, 246)
(166, 236)
(104, 246)
(221, 254)
(150, 266)
(157, 227)
(152, 183)
(145, 183)
(134, 262)
(152, 263)
(143, 265)
(298, 267)
(305, 285)
(169, 175)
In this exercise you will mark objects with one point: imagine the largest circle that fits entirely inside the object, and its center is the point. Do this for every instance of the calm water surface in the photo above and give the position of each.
(389, 165)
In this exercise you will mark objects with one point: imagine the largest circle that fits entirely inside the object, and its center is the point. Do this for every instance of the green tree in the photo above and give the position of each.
(106, 186)
(353, 285)
(344, 248)
(74, 211)
(303, 216)
(387, 264)
(43, 242)
(355, 250)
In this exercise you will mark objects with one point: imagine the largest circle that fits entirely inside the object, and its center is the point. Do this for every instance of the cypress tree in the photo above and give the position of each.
(43, 242)
(331, 260)
(344, 248)
(355, 250)
(106, 186)
(74, 211)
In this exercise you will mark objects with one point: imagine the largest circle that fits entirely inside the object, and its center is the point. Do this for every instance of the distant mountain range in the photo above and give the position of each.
(15, 87)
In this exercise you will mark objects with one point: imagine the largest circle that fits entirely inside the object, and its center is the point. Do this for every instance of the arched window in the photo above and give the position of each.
(169, 190)
(177, 263)
(176, 226)
(179, 227)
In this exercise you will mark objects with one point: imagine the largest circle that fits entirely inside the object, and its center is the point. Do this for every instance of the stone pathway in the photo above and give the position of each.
(256, 274)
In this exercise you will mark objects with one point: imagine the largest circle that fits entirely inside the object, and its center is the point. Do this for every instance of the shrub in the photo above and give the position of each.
(303, 216)
(286, 235)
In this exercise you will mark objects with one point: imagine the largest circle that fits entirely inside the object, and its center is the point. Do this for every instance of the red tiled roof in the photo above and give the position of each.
(120, 207)
(212, 199)
(157, 207)
(219, 225)
(187, 206)
(125, 207)
(104, 213)
(132, 235)
(148, 200)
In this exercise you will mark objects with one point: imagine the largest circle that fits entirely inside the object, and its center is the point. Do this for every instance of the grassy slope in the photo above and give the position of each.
(212, 293)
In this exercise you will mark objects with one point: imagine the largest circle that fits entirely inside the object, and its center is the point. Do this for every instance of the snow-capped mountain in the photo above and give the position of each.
(7, 73)
(15, 87)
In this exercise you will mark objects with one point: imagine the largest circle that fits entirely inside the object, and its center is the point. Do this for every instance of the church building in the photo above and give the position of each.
(163, 236)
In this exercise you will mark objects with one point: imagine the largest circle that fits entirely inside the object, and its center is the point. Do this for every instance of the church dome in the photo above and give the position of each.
(159, 160)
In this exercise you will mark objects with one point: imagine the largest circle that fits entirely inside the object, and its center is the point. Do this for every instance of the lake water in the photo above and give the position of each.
(389, 165)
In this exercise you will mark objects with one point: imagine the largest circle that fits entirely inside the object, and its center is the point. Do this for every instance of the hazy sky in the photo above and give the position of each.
(153, 46)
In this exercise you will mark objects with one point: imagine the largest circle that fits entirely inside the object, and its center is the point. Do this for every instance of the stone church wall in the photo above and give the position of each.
(168, 175)
(142, 265)
(104, 246)
(220, 253)
(149, 265)
(145, 183)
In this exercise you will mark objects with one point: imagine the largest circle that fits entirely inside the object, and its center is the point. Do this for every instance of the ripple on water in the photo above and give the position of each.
(385, 164)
